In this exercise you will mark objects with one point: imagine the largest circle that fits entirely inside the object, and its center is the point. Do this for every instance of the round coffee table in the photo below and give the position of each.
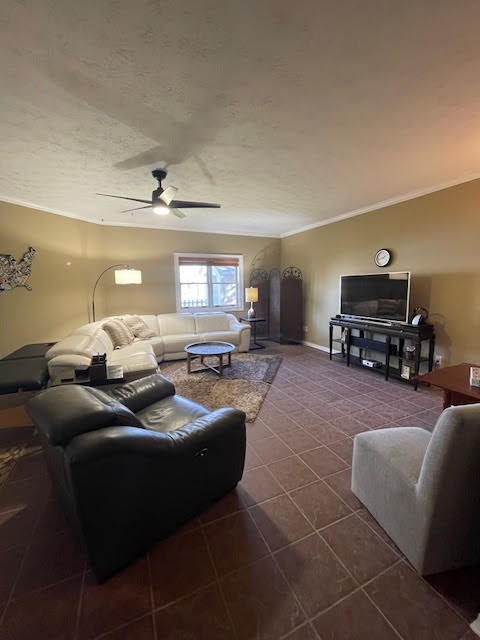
(206, 350)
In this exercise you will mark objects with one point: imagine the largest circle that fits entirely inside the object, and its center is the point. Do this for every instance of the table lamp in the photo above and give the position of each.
(251, 295)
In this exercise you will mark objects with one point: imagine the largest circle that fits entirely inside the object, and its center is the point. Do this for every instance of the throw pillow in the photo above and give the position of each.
(119, 332)
(139, 327)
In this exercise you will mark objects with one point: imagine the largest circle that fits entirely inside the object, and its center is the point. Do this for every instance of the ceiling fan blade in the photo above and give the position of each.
(177, 213)
(109, 195)
(168, 195)
(149, 206)
(184, 204)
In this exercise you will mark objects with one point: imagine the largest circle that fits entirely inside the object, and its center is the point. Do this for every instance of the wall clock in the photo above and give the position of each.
(383, 257)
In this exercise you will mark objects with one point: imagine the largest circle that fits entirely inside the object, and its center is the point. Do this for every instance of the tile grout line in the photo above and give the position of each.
(152, 600)
(359, 585)
(105, 634)
(27, 549)
(80, 602)
(249, 509)
(47, 586)
(218, 583)
(272, 555)
(375, 577)
(316, 532)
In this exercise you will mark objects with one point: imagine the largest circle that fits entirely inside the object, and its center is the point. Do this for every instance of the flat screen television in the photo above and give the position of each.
(376, 296)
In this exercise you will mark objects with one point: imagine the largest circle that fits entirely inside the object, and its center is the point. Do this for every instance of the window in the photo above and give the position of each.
(208, 282)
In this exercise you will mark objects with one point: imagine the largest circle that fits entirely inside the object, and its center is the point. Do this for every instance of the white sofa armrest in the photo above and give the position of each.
(244, 330)
(64, 365)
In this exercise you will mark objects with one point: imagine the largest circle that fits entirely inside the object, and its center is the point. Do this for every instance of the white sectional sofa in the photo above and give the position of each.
(173, 331)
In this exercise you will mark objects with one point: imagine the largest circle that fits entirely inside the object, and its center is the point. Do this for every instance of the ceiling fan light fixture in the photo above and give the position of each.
(161, 209)
(162, 201)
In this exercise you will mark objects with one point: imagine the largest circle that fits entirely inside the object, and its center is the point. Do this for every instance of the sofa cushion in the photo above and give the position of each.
(101, 343)
(171, 413)
(136, 364)
(138, 347)
(91, 328)
(157, 345)
(211, 322)
(23, 374)
(219, 336)
(139, 327)
(139, 394)
(177, 343)
(75, 344)
(175, 323)
(151, 321)
(119, 332)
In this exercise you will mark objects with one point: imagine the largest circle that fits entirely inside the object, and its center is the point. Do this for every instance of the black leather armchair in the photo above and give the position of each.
(130, 467)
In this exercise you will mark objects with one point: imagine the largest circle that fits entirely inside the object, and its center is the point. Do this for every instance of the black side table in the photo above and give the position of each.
(253, 323)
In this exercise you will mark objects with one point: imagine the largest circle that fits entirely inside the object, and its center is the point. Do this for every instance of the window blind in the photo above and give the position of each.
(229, 261)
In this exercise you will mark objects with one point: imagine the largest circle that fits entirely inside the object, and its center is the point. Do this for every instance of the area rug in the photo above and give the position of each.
(243, 386)
(8, 457)
(14, 420)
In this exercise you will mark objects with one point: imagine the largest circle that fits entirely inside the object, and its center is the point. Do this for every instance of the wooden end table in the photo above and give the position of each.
(455, 383)
(204, 350)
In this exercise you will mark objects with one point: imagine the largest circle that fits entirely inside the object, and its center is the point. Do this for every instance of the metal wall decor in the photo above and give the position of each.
(15, 274)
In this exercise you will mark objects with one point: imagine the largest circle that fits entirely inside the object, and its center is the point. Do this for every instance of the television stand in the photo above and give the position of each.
(388, 340)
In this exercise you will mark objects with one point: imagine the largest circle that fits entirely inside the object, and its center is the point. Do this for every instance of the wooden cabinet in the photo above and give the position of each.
(286, 305)
(402, 342)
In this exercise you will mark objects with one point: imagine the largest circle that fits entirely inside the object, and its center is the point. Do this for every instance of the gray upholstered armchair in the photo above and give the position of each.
(424, 488)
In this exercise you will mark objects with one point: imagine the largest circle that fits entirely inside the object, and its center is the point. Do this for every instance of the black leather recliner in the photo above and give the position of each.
(132, 465)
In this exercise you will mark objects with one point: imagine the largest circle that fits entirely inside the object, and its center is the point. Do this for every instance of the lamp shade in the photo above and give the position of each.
(128, 276)
(251, 294)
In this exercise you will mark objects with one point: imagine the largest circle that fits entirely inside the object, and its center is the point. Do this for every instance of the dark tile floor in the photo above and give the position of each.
(290, 554)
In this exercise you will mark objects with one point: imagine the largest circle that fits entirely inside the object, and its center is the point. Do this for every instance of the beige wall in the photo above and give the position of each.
(435, 237)
(60, 299)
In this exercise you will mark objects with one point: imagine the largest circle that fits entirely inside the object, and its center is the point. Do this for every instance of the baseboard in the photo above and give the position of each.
(319, 347)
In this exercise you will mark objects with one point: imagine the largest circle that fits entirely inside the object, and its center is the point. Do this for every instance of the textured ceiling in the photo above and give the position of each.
(289, 114)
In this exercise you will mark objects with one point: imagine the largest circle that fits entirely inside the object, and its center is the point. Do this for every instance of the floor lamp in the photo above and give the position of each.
(124, 274)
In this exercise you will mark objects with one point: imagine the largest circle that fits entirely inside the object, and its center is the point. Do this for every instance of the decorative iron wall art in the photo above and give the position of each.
(15, 274)
(280, 302)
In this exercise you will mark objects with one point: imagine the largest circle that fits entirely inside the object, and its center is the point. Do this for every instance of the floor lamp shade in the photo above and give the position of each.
(251, 295)
(128, 276)
(124, 274)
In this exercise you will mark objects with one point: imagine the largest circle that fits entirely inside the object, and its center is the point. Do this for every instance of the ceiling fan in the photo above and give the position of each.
(162, 201)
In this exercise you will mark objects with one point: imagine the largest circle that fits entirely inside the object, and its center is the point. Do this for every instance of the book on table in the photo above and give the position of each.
(475, 376)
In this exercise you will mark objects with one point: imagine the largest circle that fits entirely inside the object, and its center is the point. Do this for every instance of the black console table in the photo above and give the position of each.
(253, 323)
(387, 339)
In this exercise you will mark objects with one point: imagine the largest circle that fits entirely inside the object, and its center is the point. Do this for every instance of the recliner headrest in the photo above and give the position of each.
(63, 412)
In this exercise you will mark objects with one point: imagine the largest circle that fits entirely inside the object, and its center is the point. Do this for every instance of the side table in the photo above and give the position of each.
(253, 323)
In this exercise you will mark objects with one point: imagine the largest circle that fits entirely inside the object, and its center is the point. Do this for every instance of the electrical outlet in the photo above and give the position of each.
(305, 328)
(438, 361)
